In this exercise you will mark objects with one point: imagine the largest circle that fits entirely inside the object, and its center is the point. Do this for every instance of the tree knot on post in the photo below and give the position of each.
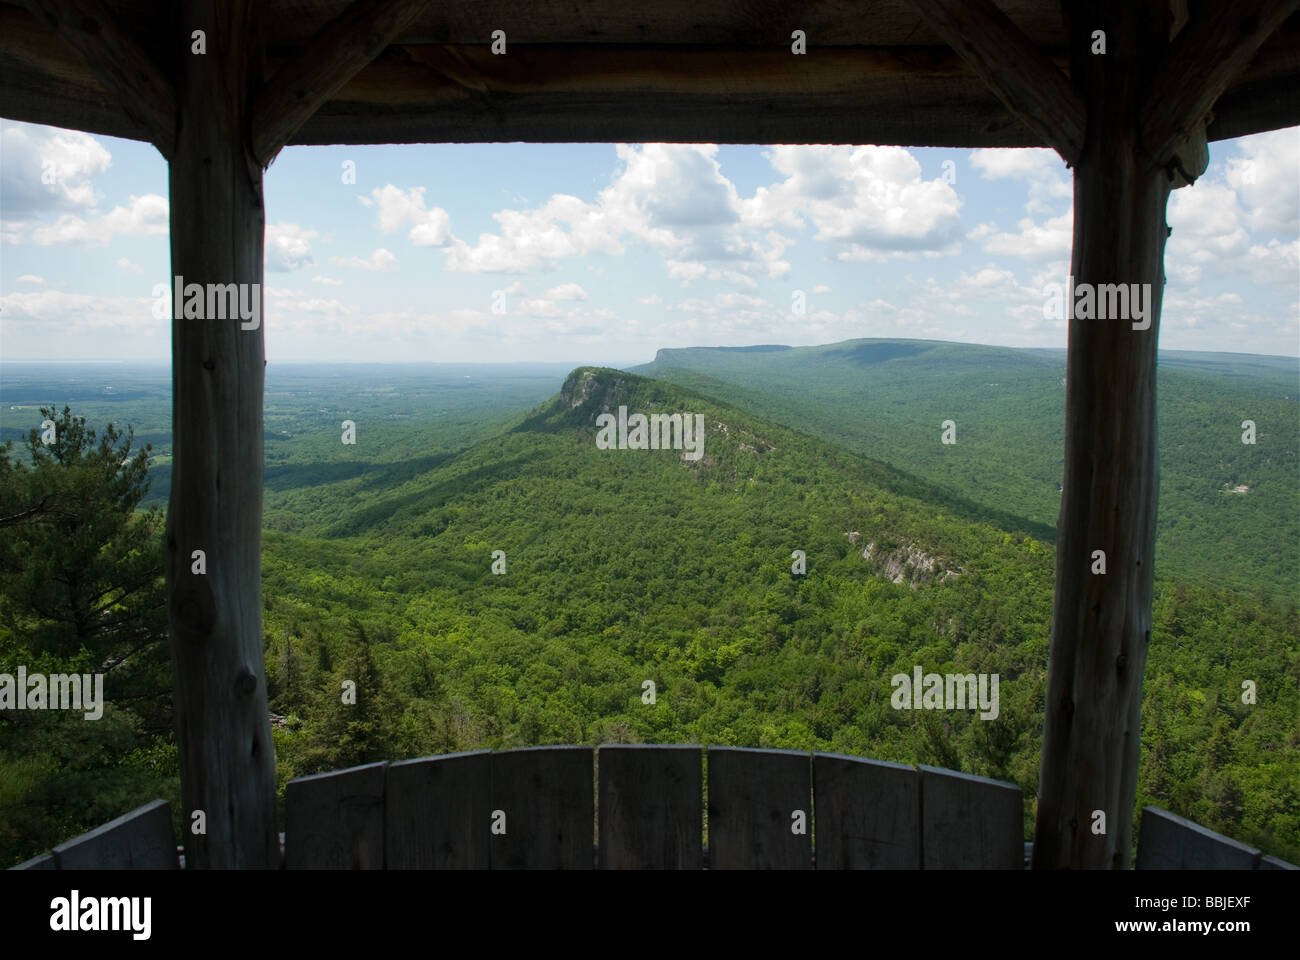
(246, 683)
(1120, 663)
(209, 365)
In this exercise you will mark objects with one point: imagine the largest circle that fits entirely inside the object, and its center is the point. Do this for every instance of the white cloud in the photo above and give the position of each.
(143, 216)
(328, 281)
(125, 264)
(1044, 172)
(1267, 179)
(288, 247)
(541, 308)
(1035, 241)
(686, 272)
(397, 207)
(48, 169)
(672, 197)
(47, 323)
(32, 278)
(869, 202)
(567, 291)
(380, 261)
(821, 288)
(650, 300)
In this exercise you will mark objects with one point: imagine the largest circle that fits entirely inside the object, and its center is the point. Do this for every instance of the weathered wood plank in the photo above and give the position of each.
(970, 822)
(651, 807)
(336, 820)
(44, 861)
(1170, 842)
(119, 62)
(827, 23)
(142, 839)
(754, 796)
(1013, 67)
(436, 812)
(842, 92)
(339, 49)
(547, 805)
(1204, 58)
(1273, 863)
(867, 814)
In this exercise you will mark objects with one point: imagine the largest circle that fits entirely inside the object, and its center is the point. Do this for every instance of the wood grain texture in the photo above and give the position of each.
(325, 63)
(651, 807)
(44, 861)
(1169, 842)
(752, 796)
(1273, 863)
(336, 820)
(1101, 623)
(866, 79)
(1208, 53)
(1013, 67)
(120, 63)
(867, 814)
(969, 822)
(437, 812)
(227, 757)
(547, 795)
(743, 23)
(142, 839)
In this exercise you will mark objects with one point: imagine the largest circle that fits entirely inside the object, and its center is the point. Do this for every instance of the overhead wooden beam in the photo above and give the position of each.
(1013, 67)
(1205, 56)
(119, 62)
(325, 64)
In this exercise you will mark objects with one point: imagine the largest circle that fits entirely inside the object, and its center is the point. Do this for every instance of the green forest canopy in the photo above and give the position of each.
(623, 566)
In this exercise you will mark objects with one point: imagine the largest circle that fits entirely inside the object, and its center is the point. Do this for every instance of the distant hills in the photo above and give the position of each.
(886, 399)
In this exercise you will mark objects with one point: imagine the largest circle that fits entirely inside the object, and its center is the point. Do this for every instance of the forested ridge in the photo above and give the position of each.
(623, 566)
(887, 398)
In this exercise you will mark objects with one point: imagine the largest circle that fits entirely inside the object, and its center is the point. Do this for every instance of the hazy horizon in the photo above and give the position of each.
(522, 252)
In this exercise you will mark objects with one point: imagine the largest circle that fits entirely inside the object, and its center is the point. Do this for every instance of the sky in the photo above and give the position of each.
(605, 253)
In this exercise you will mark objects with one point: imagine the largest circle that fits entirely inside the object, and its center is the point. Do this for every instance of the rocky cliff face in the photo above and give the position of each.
(909, 564)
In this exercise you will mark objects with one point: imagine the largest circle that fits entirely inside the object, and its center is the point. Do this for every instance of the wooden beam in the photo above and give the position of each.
(1101, 616)
(1205, 56)
(326, 63)
(227, 757)
(119, 62)
(919, 94)
(1013, 67)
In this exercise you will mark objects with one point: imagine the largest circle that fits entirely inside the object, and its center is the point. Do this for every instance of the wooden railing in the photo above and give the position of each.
(634, 806)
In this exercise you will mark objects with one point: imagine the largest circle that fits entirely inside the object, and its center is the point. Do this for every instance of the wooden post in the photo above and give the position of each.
(217, 221)
(1101, 623)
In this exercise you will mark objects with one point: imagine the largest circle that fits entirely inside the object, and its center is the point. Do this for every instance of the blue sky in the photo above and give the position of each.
(603, 253)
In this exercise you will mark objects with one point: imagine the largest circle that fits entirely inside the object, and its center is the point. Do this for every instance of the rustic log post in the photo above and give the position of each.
(217, 221)
(1101, 623)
